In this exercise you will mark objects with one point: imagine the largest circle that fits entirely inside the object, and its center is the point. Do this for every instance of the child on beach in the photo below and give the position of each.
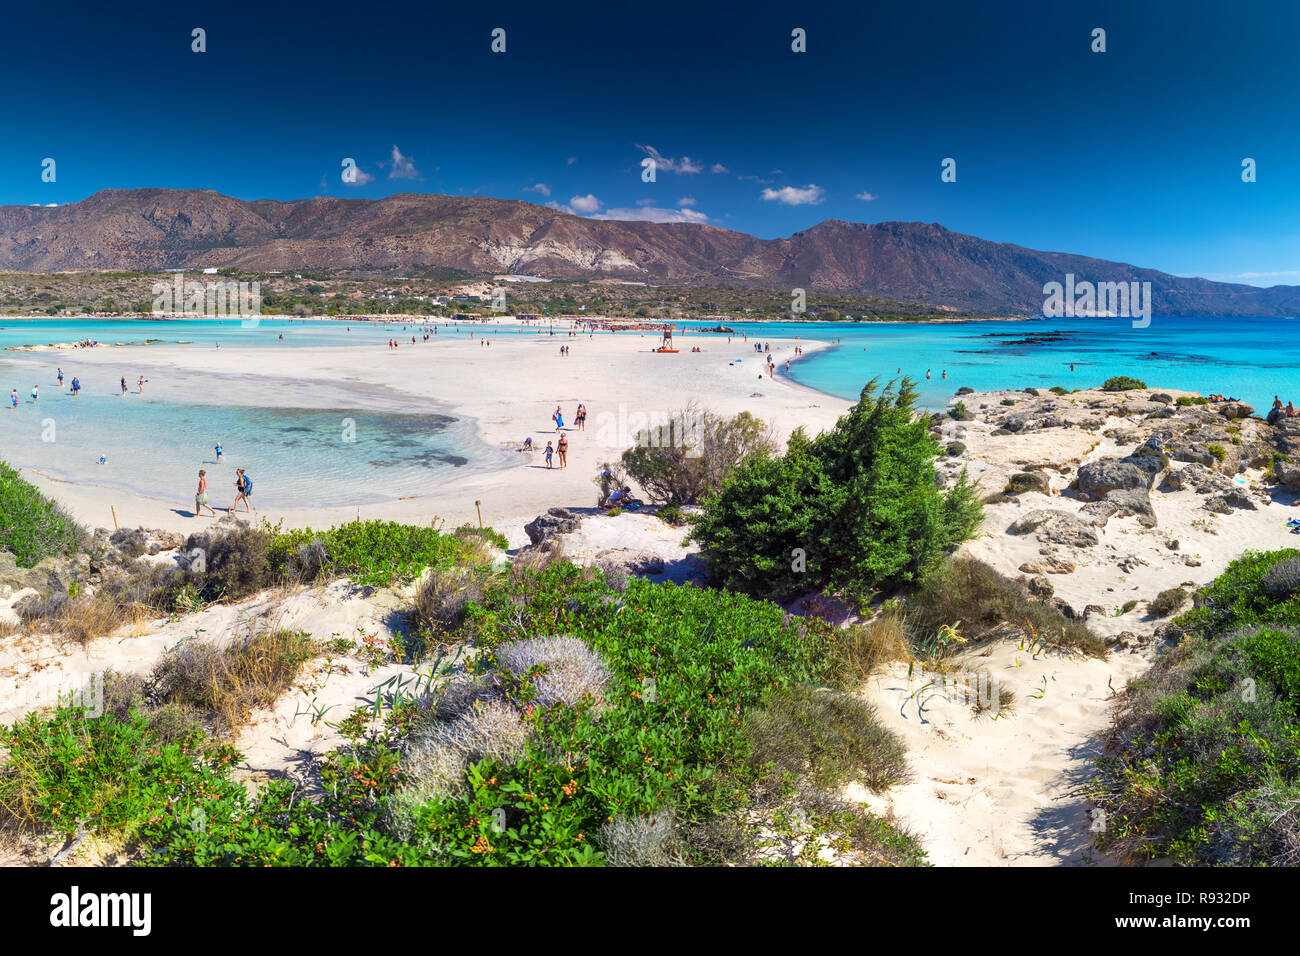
(36, 393)
(13, 398)
(549, 452)
(60, 378)
(220, 453)
(201, 495)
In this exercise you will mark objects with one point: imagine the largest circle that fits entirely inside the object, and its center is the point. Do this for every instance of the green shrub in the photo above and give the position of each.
(1240, 596)
(1217, 451)
(1059, 390)
(960, 413)
(1205, 753)
(33, 526)
(1186, 401)
(984, 604)
(1167, 602)
(858, 502)
(671, 514)
(832, 736)
(1122, 383)
(692, 456)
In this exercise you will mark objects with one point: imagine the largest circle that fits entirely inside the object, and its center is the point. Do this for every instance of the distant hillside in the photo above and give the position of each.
(902, 261)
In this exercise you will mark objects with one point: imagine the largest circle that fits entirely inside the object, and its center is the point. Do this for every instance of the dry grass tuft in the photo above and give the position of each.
(228, 682)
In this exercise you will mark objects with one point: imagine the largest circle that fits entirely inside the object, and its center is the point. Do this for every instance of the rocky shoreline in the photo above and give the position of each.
(1104, 500)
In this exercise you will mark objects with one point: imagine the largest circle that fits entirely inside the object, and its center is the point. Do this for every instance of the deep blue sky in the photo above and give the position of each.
(1134, 154)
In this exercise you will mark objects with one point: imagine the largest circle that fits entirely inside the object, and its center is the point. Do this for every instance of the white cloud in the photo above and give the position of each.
(542, 188)
(865, 196)
(362, 177)
(403, 166)
(652, 214)
(686, 201)
(571, 160)
(718, 168)
(584, 204)
(809, 195)
(669, 165)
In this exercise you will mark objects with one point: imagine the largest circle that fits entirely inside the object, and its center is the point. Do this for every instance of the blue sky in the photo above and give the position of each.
(1133, 154)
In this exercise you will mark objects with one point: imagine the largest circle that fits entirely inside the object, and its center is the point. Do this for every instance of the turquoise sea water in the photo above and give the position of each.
(348, 453)
(1249, 359)
(298, 456)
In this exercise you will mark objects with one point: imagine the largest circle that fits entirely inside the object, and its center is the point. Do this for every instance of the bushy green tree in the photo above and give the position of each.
(854, 510)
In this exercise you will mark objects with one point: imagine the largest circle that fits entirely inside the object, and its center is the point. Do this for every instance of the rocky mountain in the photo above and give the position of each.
(143, 229)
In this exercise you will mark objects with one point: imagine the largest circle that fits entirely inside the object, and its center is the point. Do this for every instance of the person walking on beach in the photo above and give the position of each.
(36, 393)
(563, 449)
(123, 384)
(139, 385)
(13, 398)
(580, 417)
(549, 451)
(201, 495)
(76, 386)
(220, 453)
(243, 488)
(60, 378)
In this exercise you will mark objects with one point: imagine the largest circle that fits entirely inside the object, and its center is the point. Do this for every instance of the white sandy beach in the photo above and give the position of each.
(508, 389)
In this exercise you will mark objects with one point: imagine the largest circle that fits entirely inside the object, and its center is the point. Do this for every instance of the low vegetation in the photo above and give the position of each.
(1122, 383)
(984, 605)
(1203, 763)
(691, 455)
(32, 526)
(595, 725)
(231, 565)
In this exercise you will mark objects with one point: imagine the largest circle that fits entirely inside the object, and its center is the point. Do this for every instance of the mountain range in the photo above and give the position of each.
(909, 262)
